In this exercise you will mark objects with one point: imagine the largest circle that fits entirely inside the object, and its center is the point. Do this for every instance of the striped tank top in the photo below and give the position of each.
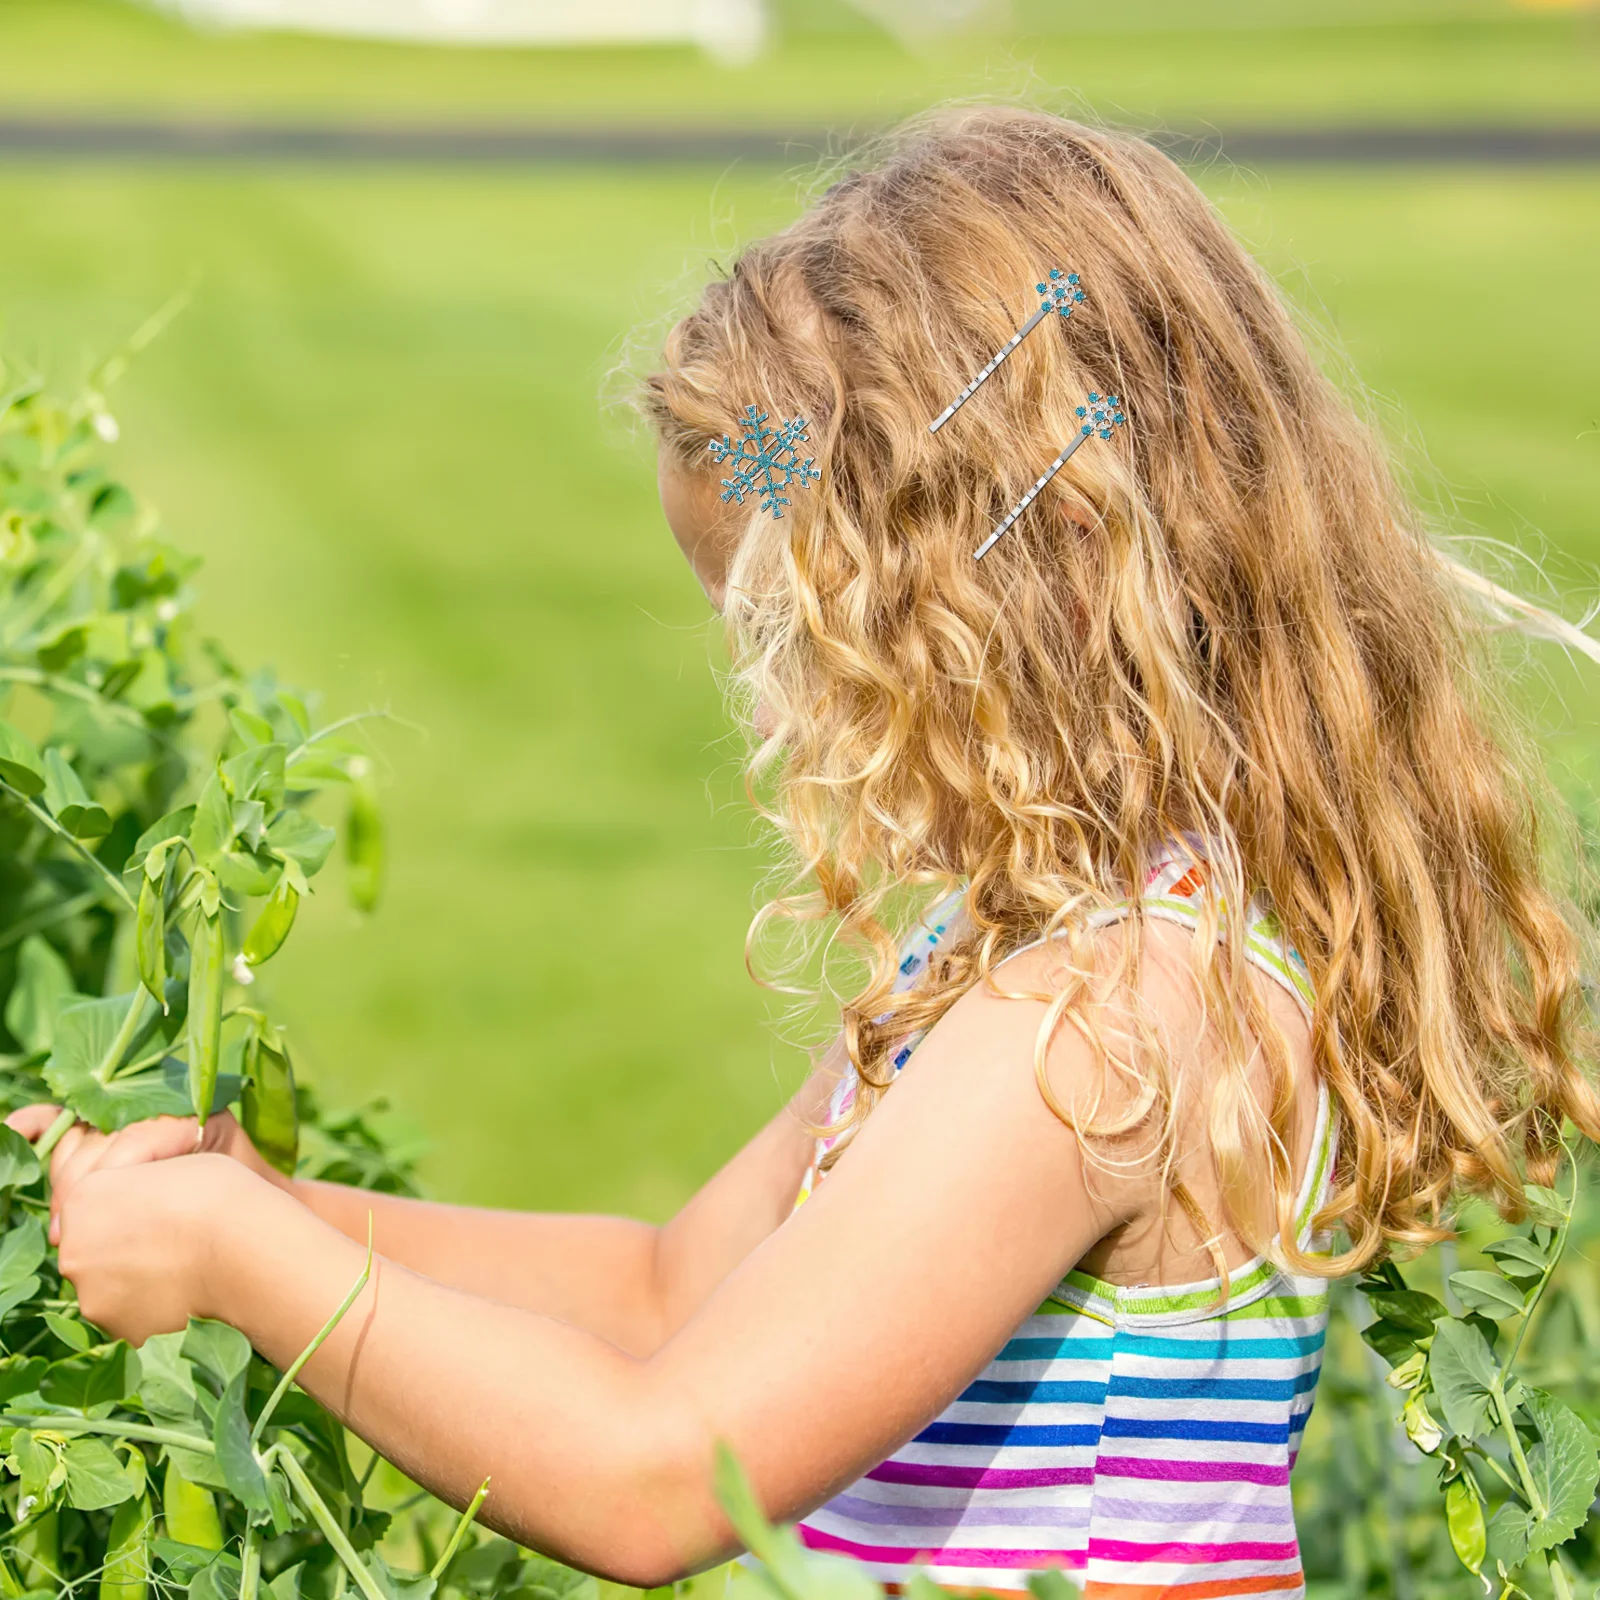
(1138, 1439)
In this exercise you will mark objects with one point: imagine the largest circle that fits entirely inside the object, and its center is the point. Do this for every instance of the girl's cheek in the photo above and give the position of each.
(764, 721)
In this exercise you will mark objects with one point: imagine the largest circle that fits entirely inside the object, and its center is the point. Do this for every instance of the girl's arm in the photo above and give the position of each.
(961, 1203)
(629, 1282)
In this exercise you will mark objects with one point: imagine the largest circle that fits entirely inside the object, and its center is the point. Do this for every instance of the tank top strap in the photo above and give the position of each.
(1179, 883)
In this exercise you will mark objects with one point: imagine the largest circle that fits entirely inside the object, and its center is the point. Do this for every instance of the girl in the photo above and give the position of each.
(1238, 931)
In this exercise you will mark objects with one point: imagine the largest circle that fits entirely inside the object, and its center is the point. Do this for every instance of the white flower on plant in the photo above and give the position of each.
(167, 610)
(106, 426)
(358, 767)
(242, 971)
(25, 1506)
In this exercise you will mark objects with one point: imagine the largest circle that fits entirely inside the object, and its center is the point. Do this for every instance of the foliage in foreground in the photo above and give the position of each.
(159, 830)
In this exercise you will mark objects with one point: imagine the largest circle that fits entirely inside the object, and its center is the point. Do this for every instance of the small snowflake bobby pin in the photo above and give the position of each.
(1101, 414)
(1061, 294)
(765, 461)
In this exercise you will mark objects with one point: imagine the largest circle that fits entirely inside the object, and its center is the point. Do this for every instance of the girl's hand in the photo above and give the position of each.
(142, 1243)
(83, 1149)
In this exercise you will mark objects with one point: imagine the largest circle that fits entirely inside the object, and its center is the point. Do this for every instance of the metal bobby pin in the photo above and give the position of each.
(1061, 293)
(1101, 414)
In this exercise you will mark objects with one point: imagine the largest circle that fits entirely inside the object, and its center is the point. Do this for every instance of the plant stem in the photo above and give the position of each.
(52, 1135)
(1558, 1578)
(112, 1427)
(1530, 1490)
(454, 1542)
(1558, 1247)
(1494, 1466)
(315, 1345)
(335, 727)
(50, 823)
(250, 1559)
(324, 1519)
(107, 1069)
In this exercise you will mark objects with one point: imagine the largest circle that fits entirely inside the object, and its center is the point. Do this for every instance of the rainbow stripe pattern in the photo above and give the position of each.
(1140, 1440)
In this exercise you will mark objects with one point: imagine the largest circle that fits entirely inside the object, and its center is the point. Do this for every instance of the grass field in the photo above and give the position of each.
(380, 422)
(1144, 61)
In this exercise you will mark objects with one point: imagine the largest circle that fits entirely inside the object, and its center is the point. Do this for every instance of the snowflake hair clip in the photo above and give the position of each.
(1061, 294)
(765, 461)
(1101, 414)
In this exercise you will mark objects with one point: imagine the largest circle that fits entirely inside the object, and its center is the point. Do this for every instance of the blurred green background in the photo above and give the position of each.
(388, 421)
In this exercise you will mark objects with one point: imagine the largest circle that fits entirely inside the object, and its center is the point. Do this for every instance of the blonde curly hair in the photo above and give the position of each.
(1225, 621)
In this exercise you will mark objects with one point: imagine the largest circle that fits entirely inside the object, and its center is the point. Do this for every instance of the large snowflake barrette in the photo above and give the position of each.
(765, 461)
(1100, 414)
(1059, 293)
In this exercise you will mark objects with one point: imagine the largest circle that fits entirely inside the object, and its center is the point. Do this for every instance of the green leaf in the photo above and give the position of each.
(40, 1466)
(20, 1375)
(75, 1071)
(1508, 1533)
(1462, 1368)
(21, 765)
(218, 1581)
(1047, 1585)
(286, 1586)
(69, 1331)
(1518, 1257)
(96, 1478)
(19, 1166)
(212, 830)
(1487, 1293)
(22, 1252)
(1410, 1309)
(69, 801)
(1544, 1205)
(218, 1353)
(174, 825)
(230, 1433)
(399, 1586)
(42, 988)
(1565, 1466)
(1394, 1343)
(252, 730)
(18, 1294)
(85, 1381)
(302, 839)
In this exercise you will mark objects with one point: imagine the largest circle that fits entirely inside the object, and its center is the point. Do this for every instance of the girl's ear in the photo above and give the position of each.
(1077, 516)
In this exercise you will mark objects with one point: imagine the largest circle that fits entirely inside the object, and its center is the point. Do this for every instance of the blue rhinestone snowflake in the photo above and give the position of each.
(1061, 293)
(1101, 415)
(765, 461)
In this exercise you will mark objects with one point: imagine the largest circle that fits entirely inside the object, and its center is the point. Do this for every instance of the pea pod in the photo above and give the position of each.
(126, 1573)
(272, 927)
(363, 842)
(150, 926)
(207, 964)
(38, 1551)
(189, 1511)
(268, 1105)
(1464, 1515)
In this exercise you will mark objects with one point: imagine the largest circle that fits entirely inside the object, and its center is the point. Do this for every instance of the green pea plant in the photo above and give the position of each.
(1518, 1467)
(160, 828)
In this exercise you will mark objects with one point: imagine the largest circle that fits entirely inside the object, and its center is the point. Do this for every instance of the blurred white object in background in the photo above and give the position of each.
(733, 30)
